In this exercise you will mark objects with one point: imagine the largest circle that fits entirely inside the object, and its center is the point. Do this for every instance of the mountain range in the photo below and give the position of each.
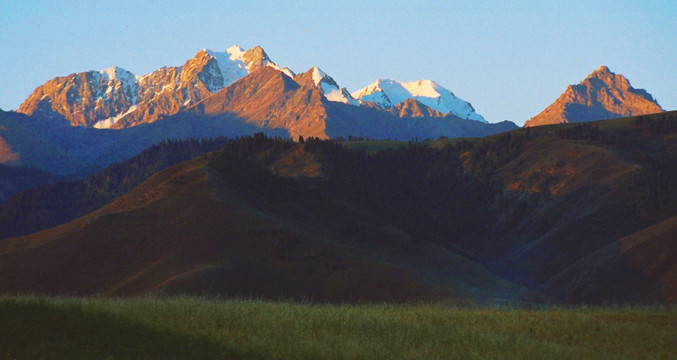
(238, 92)
(116, 98)
(228, 93)
(105, 189)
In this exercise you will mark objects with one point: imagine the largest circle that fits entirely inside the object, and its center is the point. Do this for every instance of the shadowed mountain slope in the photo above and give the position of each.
(529, 203)
(266, 100)
(225, 225)
(58, 202)
(68, 151)
(645, 261)
(562, 209)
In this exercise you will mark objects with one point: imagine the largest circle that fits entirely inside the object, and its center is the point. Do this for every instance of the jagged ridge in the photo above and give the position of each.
(116, 98)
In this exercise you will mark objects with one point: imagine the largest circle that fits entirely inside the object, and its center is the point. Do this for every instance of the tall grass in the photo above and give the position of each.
(194, 328)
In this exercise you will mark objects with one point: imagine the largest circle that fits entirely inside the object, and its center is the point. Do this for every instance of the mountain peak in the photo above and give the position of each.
(255, 58)
(115, 98)
(387, 93)
(602, 70)
(601, 95)
(317, 78)
(609, 78)
(318, 75)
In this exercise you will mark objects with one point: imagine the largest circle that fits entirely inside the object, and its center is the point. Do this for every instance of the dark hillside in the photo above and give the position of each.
(226, 224)
(528, 203)
(14, 179)
(549, 208)
(56, 203)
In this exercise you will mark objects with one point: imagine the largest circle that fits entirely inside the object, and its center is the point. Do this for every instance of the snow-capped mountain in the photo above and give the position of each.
(330, 89)
(235, 63)
(230, 93)
(117, 98)
(388, 93)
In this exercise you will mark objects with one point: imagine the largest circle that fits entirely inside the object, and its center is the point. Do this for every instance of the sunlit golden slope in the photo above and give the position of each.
(602, 95)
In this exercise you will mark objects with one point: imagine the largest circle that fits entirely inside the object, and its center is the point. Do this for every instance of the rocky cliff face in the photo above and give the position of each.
(84, 97)
(601, 95)
(117, 98)
(413, 108)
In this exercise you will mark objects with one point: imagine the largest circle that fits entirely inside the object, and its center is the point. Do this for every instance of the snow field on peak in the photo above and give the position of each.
(318, 75)
(236, 52)
(119, 73)
(230, 63)
(427, 88)
(338, 95)
(388, 93)
(233, 66)
(286, 70)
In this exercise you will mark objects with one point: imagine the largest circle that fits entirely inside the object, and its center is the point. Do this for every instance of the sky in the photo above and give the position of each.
(509, 59)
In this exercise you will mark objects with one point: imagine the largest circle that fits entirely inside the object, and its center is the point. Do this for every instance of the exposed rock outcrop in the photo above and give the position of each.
(602, 95)
(116, 98)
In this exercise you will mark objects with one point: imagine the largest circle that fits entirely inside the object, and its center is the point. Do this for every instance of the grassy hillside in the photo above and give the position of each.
(551, 209)
(181, 328)
(58, 202)
(529, 203)
(227, 225)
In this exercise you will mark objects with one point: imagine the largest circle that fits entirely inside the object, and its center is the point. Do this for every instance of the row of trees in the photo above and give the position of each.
(658, 124)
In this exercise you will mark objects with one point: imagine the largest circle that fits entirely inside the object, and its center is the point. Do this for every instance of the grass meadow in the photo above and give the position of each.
(34, 327)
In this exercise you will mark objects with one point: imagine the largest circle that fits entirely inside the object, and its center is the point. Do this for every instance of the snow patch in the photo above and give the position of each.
(318, 75)
(288, 72)
(326, 87)
(341, 95)
(118, 77)
(231, 64)
(330, 88)
(285, 70)
(233, 67)
(107, 123)
(109, 73)
(235, 52)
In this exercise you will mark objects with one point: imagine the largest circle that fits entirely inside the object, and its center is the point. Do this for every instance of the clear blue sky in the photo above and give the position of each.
(510, 59)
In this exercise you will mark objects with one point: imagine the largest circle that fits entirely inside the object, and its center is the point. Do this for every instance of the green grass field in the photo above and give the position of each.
(191, 328)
